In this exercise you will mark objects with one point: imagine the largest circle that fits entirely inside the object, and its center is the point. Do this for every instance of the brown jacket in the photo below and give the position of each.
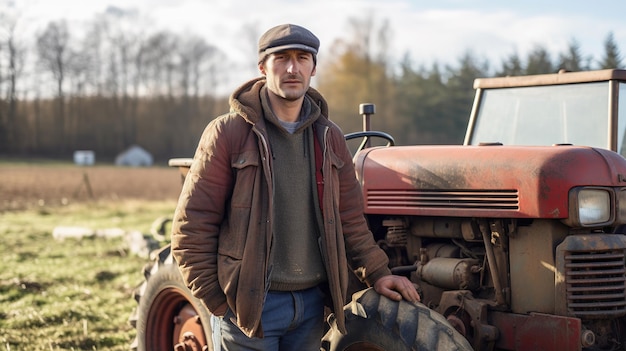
(221, 235)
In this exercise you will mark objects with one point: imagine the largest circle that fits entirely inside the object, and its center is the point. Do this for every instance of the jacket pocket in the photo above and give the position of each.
(228, 275)
(245, 167)
(235, 228)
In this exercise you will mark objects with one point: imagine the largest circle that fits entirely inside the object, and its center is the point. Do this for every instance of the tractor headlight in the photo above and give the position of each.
(591, 207)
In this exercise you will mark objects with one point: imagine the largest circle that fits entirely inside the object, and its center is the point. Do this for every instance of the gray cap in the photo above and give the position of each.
(287, 36)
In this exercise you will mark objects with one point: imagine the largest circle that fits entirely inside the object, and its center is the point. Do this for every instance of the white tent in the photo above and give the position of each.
(134, 156)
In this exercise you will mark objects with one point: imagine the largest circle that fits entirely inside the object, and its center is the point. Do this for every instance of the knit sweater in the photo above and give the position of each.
(297, 263)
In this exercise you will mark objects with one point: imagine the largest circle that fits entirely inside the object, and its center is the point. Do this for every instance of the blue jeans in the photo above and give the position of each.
(291, 320)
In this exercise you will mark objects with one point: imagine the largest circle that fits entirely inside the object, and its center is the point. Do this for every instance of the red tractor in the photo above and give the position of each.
(515, 240)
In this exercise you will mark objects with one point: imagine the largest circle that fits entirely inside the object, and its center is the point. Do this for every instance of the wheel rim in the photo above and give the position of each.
(174, 323)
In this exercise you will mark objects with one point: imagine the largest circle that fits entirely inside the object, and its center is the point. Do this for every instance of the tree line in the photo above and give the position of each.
(119, 85)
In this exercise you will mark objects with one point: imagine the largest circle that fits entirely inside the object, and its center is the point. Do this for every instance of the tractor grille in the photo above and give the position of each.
(470, 199)
(596, 283)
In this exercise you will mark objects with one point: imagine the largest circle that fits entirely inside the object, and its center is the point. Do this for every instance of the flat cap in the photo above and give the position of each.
(287, 36)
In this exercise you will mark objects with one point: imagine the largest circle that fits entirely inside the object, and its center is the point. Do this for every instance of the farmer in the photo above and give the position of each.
(270, 215)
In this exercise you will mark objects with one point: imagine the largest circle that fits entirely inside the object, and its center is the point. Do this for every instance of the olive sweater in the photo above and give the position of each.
(297, 262)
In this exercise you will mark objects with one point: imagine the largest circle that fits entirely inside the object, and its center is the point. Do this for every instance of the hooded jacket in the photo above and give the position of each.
(222, 227)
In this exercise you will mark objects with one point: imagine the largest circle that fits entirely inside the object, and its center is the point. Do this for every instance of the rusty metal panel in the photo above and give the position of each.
(537, 332)
(532, 266)
(482, 181)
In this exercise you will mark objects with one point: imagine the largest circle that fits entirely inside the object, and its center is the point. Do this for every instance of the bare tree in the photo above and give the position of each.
(54, 52)
(55, 55)
(195, 55)
(93, 49)
(125, 44)
(13, 58)
(250, 34)
(159, 61)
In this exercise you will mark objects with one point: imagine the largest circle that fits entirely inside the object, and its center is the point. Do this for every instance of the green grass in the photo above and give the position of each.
(72, 294)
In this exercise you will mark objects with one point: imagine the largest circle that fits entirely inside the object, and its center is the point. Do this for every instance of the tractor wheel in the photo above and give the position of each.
(375, 322)
(168, 316)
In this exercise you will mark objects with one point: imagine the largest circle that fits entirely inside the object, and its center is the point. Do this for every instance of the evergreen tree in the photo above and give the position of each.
(511, 66)
(539, 61)
(420, 98)
(612, 57)
(572, 59)
(460, 94)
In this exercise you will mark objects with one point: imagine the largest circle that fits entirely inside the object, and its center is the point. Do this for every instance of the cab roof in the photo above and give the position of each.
(562, 77)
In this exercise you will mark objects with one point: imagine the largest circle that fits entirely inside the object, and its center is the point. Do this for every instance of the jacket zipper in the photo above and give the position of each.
(268, 176)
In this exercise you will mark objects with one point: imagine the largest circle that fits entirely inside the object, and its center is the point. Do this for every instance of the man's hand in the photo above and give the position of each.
(396, 287)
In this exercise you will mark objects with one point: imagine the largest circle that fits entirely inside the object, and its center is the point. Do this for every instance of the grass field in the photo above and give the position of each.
(74, 294)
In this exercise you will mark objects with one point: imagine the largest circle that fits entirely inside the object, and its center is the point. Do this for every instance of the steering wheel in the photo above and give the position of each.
(367, 135)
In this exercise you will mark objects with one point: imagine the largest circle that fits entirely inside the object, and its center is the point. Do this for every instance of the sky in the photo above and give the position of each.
(428, 31)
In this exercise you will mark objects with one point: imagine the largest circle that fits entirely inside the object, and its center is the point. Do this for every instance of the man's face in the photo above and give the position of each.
(288, 73)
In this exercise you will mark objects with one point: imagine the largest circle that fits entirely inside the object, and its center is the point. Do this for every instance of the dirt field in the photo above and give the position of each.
(24, 186)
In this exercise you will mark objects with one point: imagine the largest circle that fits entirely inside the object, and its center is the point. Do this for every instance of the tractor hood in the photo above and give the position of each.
(482, 181)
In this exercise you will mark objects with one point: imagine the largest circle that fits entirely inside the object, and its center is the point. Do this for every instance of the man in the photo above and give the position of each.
(270, 215)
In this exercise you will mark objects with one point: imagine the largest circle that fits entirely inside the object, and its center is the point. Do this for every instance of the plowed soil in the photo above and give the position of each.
(24, 186)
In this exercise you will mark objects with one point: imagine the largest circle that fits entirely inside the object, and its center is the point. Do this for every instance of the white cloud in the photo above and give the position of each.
(439, 31)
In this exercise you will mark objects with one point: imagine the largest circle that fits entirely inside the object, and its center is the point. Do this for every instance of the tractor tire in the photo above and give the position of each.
(375, 322)
(168, 316)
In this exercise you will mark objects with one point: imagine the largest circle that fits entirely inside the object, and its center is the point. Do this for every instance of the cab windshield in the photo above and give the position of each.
(545, 115)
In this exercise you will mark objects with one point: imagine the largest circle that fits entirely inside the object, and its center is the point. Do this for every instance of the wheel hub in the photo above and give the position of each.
(188, 331)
